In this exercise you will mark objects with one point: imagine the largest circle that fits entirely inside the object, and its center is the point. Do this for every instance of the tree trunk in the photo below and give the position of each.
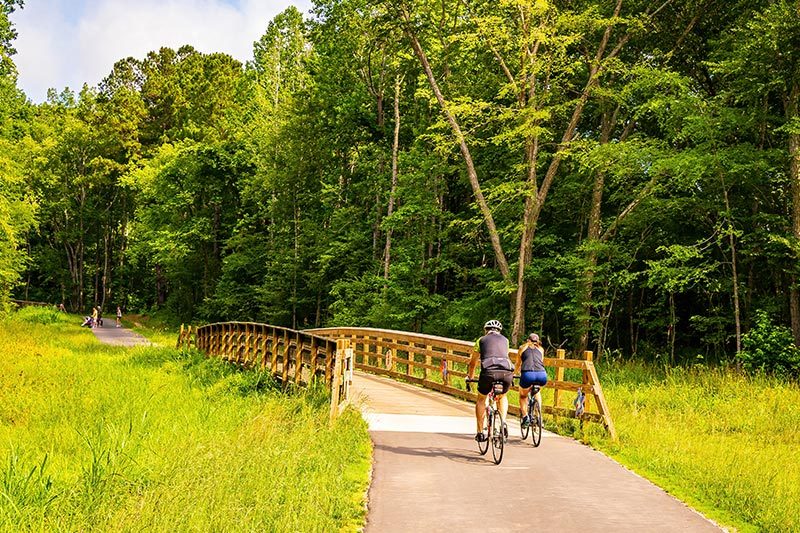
(734, 273)
(671, 331)
(472, 175)
(537, 198)
(587, 284)
(526, 244)
(794, 176)
(593, 236)
(525, 98)
(296, 261)
(161, 286)
(387, 254)
(106, 279)
(80, 257)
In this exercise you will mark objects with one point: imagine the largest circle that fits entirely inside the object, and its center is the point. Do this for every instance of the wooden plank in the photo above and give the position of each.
(313, 363)
(274, 363)
(337, 378)
(422, 350)
(586, 379)
(560, 354)
(602, 406)
(564, 363)
(298, 360)
(446, 365)
(285, 365)
(428, 363)
(329, 364)
(404, 335)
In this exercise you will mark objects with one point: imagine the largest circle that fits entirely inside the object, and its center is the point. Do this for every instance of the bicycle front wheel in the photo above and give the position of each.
(523, 428)
(497, 438)
(536, 424)
(483, 447)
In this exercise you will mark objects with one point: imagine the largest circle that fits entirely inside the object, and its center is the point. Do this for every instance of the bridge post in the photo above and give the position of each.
(342, 370)
(428, 360)
(446, 366)
(588, 355)
(559, 376)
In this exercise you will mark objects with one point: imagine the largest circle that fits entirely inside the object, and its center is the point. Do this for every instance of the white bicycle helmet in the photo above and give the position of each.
(493, 324)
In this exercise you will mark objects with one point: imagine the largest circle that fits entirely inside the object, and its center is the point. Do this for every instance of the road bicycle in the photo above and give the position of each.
(535, 417)
(492, 424)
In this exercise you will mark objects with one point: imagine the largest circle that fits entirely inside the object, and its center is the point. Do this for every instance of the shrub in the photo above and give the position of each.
(770, 348)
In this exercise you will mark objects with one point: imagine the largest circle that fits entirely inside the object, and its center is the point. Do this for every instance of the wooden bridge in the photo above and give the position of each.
(436, 363)
(427, 474)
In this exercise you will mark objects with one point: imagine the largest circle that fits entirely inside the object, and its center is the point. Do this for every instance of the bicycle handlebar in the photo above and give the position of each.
(467, 382)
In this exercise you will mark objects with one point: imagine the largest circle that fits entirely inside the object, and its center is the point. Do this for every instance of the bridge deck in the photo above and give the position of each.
(428, 475)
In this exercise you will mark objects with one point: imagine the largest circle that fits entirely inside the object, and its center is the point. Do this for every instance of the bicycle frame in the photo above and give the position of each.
(494, 439)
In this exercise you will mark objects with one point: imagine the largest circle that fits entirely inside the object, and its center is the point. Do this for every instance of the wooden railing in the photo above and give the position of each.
(28, 303)
(292, 356)
(440, 363)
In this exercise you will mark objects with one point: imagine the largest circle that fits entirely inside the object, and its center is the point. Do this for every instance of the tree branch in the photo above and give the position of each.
(502, 263)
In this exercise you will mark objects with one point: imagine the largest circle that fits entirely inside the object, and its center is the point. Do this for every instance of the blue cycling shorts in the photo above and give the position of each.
(528, 379)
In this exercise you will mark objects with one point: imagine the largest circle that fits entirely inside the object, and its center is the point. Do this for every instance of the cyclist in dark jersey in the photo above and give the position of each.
(491, 351)
(530, 367)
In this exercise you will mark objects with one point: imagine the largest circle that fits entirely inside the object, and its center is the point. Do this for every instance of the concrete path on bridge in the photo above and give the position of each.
(108, 333)
(428, 475)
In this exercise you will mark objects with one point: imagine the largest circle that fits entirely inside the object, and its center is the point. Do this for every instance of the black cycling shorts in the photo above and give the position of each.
(488, 377)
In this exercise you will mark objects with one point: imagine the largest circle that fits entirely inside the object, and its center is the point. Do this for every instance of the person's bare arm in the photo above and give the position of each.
(476, 356)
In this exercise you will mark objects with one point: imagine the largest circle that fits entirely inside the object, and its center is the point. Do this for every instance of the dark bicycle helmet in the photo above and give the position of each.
(493, 324)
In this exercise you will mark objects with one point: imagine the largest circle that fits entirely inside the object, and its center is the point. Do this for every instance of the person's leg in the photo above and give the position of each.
(480, 411)
(541, 381)
(523, 401)
(502, 404)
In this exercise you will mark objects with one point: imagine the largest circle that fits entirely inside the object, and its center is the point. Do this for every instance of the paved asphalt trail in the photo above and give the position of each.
(108, 333)
(428, 475)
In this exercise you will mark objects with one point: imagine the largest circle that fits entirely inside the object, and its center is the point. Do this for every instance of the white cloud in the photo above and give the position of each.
(61, 45)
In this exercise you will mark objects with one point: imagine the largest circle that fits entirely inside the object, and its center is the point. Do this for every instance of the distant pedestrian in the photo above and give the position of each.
(62, 308)
(119, 317)
(95, 316)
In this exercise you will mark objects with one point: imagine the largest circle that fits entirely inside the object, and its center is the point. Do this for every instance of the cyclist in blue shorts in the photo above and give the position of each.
(530, 367)
(491, 351)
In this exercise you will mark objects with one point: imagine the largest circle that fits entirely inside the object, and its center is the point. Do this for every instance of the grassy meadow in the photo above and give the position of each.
(725, 443)
(113, 439)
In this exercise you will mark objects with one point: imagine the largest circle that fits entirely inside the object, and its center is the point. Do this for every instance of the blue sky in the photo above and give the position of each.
(64, 43)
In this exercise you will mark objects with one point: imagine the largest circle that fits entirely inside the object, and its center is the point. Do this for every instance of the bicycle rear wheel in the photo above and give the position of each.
(536, 424)
(497, 438)
(483, 447)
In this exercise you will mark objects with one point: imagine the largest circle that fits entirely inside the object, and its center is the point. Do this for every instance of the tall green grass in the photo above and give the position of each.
(102, 438)
(723, 442)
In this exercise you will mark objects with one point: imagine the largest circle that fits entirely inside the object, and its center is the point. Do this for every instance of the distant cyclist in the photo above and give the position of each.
(530, 367)
(491, 351)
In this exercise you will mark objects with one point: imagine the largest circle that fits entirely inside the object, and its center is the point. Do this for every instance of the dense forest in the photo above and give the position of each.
(621, 175)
